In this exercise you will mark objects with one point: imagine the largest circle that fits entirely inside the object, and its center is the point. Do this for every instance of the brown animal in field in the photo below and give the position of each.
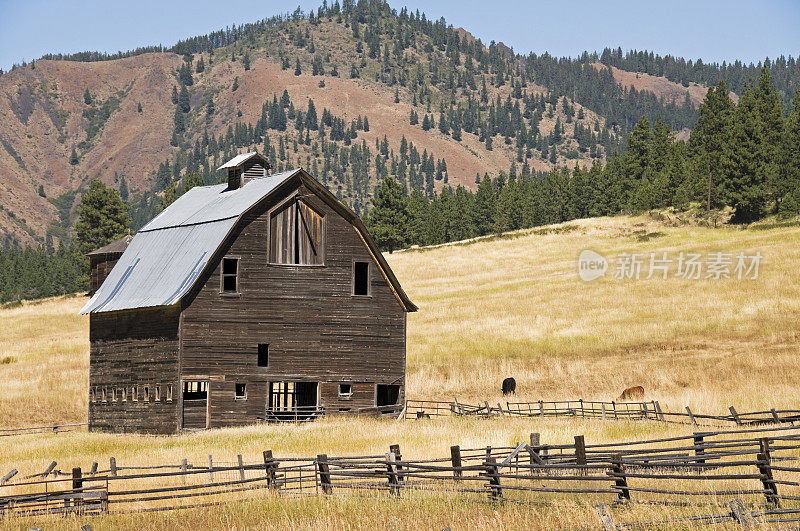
(632, 393)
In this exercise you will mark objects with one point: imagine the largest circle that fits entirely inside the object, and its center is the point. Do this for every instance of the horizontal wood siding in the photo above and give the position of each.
(316, 329)
(100, 267)
(134, 348)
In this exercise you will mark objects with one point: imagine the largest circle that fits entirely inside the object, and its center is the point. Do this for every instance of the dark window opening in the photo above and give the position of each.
(194, 390)
(388, 395)
(263, 355)
(296, 235)
(241, 391)
(292, 400)
(230, 275)
(345, 390)
(146, 394)
(344, 409)
(361, 278)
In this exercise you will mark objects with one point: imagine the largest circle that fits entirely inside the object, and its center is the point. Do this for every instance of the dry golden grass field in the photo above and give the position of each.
(509, 306)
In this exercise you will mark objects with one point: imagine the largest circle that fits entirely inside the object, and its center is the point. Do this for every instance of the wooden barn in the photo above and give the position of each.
(261, 299)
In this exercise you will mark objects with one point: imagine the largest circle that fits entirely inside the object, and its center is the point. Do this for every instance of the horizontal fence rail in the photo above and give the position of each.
(756, 468)
(420, 409)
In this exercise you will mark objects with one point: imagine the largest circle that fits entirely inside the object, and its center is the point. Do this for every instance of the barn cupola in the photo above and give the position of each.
(245, 167)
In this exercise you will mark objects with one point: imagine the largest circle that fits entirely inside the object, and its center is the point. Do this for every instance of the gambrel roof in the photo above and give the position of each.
(166, 257)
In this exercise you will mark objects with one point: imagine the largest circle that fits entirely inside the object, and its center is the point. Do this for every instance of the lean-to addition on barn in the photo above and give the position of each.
(260, 299)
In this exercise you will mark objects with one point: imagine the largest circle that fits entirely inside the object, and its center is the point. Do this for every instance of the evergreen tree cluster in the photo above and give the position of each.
(745, 156)
(38, 272)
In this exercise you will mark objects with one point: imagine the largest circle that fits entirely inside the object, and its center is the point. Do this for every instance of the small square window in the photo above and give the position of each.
(345, 389)
(263, 355)
(241, 391)
(361, 278)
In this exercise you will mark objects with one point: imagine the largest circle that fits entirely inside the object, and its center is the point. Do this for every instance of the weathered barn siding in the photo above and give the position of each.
(100, 267)
(134, 348)
(316, 329)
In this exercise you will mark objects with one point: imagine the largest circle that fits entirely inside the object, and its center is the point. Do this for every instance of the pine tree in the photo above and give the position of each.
(485, 207)
(73, 158)
(87, 98)
(711, 137)
(246, 61)
(174, 95)
(201, 66)
(103, 217)
(184, 100)
(790, 162)
(297, 70)
(388, 217)
(235, 84)
(123, 189)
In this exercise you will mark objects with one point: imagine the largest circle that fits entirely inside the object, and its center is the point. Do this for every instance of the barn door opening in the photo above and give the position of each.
(195, 404)
(292, 401)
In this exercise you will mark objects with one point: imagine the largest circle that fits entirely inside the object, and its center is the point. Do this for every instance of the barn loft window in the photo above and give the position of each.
(263, 355)
(229, 283)
(241, 391)
(361, 278)
(296, 235)
(195, 390)
(387, 395)
(345, 390)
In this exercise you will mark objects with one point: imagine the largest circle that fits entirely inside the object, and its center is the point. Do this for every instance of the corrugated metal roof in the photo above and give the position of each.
(238, 160)
(167, 255)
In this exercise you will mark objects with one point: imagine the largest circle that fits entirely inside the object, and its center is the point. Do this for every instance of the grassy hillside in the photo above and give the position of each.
(510, 306)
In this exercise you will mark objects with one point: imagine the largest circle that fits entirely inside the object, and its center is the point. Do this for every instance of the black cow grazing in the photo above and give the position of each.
(509, 386)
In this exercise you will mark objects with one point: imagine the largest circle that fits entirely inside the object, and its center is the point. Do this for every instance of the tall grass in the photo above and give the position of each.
(510, 306)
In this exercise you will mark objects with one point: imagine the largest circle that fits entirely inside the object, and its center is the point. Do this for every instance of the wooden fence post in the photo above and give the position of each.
(659, 413)
(77, 487)
(735, 416)
(93, 471)
(184, 468)
(621, 482)
(541, 409)
(324, 473)
(210, 469)
(580, 450)
(494, 479)
(536, 441)
(605, 517)
(112, 466)
(455, 459)
(269, 468)
(767, 480)
(699, 448)
(775, 416)
(391, 469)
(49, 469)
(241, 466)
(691, 416)
(395, 449)
(740, 513)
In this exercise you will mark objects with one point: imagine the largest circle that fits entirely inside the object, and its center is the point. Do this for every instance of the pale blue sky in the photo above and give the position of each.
(712, 30)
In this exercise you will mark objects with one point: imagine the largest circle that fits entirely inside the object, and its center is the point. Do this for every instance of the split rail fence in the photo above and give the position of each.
(756, 469)
(418, 409)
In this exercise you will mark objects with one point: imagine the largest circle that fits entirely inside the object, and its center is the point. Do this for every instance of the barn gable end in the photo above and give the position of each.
(273, 303)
